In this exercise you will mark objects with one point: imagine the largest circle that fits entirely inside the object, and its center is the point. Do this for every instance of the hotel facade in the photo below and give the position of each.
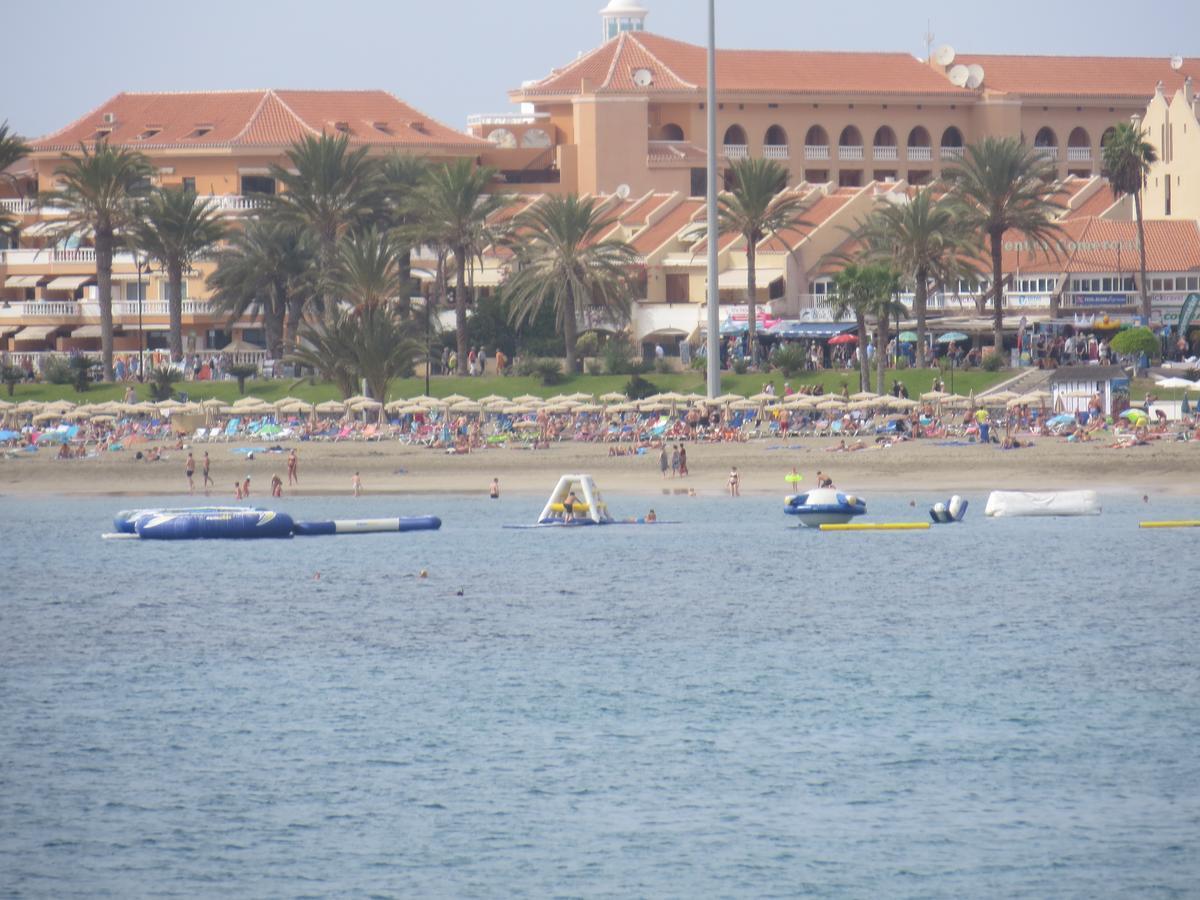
(627, 122)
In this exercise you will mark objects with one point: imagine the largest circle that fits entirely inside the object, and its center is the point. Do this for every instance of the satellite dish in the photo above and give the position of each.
(943, 55)
(1176, 63)
(974, 75)
(959, 76)
(622, 191)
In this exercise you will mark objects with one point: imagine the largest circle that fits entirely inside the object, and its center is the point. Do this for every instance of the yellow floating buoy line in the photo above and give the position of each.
(1182, 523)
(878, 526)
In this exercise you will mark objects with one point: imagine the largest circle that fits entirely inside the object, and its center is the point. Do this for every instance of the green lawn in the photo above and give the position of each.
(917, 381)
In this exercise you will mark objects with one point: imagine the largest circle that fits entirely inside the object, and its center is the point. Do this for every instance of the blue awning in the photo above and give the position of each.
(792, 328)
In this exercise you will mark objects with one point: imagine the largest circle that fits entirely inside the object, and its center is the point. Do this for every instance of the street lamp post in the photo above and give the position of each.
(714, 294)
(428, 360)
(137, 262)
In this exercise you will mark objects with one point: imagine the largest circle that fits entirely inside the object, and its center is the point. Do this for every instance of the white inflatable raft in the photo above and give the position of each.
(1042, 503)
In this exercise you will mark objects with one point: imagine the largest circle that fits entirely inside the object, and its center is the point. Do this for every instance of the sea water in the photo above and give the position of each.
(728, 706)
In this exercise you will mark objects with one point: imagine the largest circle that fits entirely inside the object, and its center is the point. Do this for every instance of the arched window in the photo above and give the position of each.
(502, 137)
(1045, 138)
(816, 137)
(952, 137)
(536, 138)
(885, 137)
(850, 137)
(1079, 138)
(670, 132)
(919, 137)
(775, 137)
(735, 135)
(1107, 136)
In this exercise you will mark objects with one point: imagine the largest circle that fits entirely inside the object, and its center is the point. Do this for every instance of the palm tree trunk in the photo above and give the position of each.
(920, 300)
(295, 315)
(881, 354)
(751, 310)
(864, 366)
(460, 307)
(274, 315)
(997, 293)
(104, 251)
(569, 329)
(328, 302)
(1141, 226)
(175, 308)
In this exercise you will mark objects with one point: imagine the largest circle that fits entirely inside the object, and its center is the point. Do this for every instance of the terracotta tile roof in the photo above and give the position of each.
(1099, 202)
(1094, 246)
(1080, 76)
(813, 217)
(665, 229)
(641, 211)
(680, 67)
(252, 119)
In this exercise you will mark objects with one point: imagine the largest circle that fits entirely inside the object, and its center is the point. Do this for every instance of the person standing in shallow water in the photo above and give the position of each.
(494, 490)
(356, 484)
(204, 468)
(664, 462)
(293, 464)
(189, 469)
(735, 483)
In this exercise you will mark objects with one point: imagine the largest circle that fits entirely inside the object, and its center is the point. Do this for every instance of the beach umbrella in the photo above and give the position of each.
(613, 397)
(801, 401)
(212, 403)
(933, 396)
(58, 406)
(999, 398)
(727, 398)
(286, 401)
(1136, 416)
(864, 395)
(491, 399)
(589, 408)
(168, 404)
(104, 420)
(357, 398)
(248, 401)
(746, 404)
(955, 400)
(45, 417)
(863, 404)
(831, 403)
(30, 406)
(5, 405)
(902, 403)
(907, 337)
(951, 337)
(455, 398)
(296, 407)
(527, 398)
(466, 406)
(580, 397)
(844, 339)
(763, 397)
(331, 406)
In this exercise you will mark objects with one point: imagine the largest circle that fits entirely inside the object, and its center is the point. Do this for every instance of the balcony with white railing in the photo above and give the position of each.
(920, 154)
(507, 119)
(816, 151)
(29, 256)
(776, 151)
(128, 309)
(952, 154)
(884, 153)
(850, 151)
(18, 206)
(736, 151)
(25, 310)
(1079, 154)
(1050, 153)
(236, 202)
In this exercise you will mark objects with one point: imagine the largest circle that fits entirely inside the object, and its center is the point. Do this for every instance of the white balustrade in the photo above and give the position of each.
(850, 151)
(776, 151)
(18, 206)
(1079, 154)
(736, 151)
(920, 154)
(953, 153)
(816, 151)
(884, 153)
(1050, 153)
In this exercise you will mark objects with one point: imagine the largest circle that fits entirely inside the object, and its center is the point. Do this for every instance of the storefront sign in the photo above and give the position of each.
(1100, 299)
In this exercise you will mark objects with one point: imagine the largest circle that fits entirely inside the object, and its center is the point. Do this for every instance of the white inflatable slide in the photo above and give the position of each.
(1042, 503)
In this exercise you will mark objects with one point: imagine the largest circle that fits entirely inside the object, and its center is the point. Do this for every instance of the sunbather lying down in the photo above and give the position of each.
(842, 447)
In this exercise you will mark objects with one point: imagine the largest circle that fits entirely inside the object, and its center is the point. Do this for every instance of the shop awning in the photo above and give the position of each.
(68, 282)
(38, 229)
(22, 281)
(86, 331)
(731, 279)
(791, 328)
(36, 332)
(6, 330)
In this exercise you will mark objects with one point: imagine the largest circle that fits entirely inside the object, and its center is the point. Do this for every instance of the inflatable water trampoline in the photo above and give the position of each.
(824, 506)
(248, 523)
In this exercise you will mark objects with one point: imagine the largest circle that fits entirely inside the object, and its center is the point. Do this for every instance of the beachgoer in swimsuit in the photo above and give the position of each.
(237, 490)
(735, 483)
(664, 464)
(276, 485)
(246, 488)
(569, 506)
(356, 483)
(652, 516)
(292, 467)
(494, 491)
(189, 469)
(204, 466)
(683, 469)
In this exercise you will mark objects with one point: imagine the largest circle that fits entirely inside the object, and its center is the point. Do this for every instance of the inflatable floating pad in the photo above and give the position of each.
(368, 526)
(124, 520)
(190, 526)
(1042, 503)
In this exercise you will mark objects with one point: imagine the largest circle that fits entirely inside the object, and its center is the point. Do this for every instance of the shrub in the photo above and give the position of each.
(550, 371)
(1136, 341)
(662, 367)
(638, 388)
(992, 361)
(162, 382)
(901, 363)
(741, 365)
(593, 367)
(700, 363)
(618, 356)
(588, 344)
(790, 360)
(57, 370)
(11, 376)
(82, 367)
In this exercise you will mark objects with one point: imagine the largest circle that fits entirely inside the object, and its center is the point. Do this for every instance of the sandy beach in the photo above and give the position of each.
(921, 467)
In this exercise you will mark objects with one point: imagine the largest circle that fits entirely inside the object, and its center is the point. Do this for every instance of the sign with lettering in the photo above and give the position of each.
(1100, 299)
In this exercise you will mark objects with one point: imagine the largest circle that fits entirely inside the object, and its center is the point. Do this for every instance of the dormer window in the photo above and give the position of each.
(200, 131)
(342, 127)
(150, 131)
(101, 134)
(418, 127)
(382, 127)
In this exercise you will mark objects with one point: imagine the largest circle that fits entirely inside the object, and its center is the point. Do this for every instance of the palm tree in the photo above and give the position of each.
(266, 267)
(923, 239)
(12, 150)
(854, 289)
(1002, 185)
(1127, 159)
(329, 190)
(561, 259)
(402, 178)
(176, 227)
(755, 208)
(368, 272)
(455, 210)
(370, 342)
(883, 307)
(99, 194)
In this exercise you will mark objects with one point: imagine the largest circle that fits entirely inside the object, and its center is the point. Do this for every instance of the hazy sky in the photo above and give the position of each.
(456, 57)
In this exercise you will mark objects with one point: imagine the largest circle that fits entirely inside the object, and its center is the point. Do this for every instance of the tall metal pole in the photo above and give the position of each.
(137, 262)
(714, 293)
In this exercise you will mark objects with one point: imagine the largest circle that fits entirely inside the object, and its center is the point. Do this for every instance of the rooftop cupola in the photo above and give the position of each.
(623, 15)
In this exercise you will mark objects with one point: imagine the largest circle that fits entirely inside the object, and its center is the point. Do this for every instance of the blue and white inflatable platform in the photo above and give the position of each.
(824, 506)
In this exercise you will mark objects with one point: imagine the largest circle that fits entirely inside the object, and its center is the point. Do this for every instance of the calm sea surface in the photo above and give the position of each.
(721, 708)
